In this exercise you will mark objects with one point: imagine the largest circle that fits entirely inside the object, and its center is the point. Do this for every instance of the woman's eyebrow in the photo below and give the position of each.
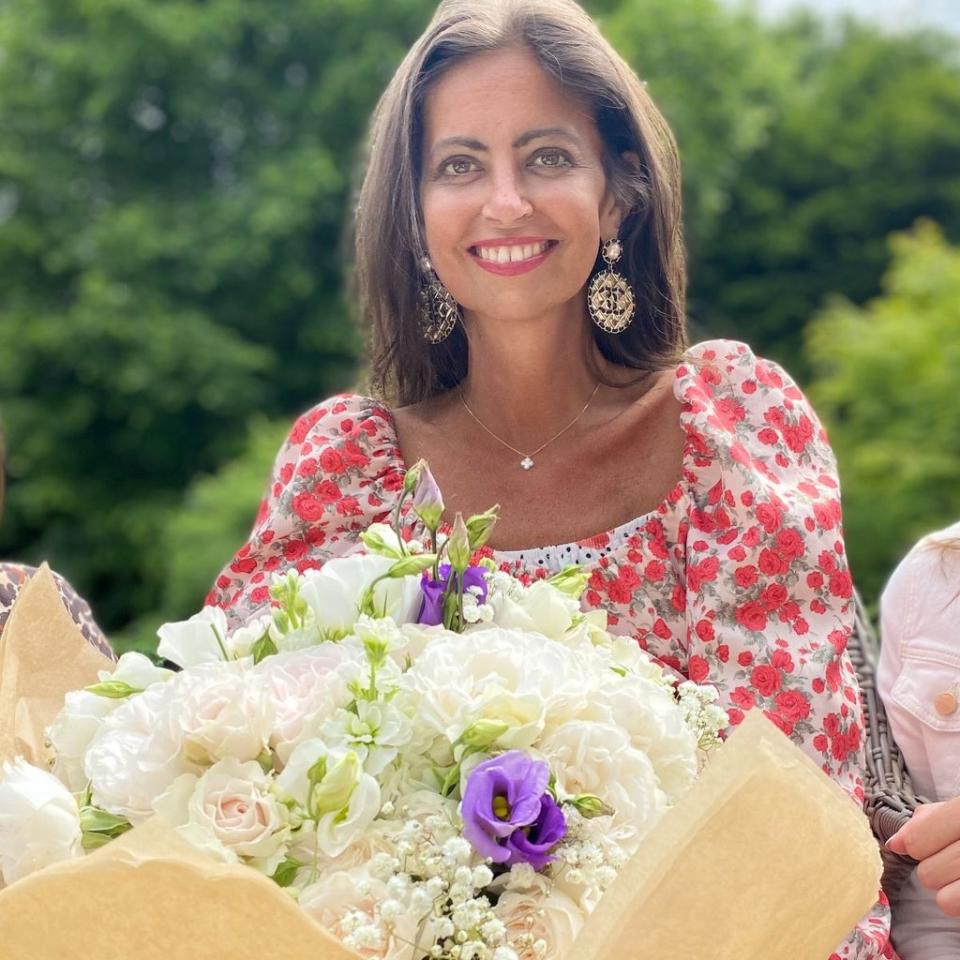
(521, 141)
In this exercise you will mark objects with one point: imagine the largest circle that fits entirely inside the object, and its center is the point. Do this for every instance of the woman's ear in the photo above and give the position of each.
(615, 211)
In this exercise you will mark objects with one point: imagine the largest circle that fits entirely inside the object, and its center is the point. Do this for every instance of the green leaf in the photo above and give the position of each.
(263, 648)
(286, 873)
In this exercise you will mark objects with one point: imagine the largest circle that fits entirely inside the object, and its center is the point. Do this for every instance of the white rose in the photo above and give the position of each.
(598, 759)
(535, 914)
(137, 753)
(334, 592)
(83, 712)
(197, 640)
(39, 821)
(230, 810)
(342, 803)
(306, 688)
(222, 710)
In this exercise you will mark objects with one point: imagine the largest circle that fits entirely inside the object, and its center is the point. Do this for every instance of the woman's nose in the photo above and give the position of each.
(507, 202)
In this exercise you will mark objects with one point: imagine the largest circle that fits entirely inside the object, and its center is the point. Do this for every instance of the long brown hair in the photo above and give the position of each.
(388, 229)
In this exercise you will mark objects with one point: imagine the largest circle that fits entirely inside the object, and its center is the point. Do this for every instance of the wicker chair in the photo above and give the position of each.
(890, 800)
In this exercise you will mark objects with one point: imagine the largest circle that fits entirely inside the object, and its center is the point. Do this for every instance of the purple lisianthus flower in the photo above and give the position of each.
(431, 610)
(507, 814)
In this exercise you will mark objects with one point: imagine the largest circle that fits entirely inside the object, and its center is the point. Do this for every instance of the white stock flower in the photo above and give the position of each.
(540, 608)
(240, 643)
(82, 713)
(334, 592)
(189, 642)
(230, 811)
(342, 800)
(375, 732)
(39, 821)
(306, 688)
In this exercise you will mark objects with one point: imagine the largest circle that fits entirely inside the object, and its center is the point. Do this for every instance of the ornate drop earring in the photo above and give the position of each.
(438, 311)
(610, 300)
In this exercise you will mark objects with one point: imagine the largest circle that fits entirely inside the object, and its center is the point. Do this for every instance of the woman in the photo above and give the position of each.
(537, 359)
(14, 575)
(917, 679)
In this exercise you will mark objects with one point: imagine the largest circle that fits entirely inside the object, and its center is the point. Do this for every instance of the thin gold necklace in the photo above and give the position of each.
(527, 461)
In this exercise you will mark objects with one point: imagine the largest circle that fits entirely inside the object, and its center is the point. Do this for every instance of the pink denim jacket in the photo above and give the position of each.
(918, 680)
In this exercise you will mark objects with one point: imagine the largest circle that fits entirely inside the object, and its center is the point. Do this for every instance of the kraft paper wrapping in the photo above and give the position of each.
(43, 656)
(151, 896)
(766, 858)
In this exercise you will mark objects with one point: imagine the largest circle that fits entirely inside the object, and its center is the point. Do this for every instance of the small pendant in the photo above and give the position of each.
(526, 463)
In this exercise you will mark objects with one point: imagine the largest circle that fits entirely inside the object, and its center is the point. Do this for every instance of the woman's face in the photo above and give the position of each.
(513, 191)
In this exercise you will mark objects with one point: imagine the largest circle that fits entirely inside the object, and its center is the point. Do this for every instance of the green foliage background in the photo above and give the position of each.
(175, 181)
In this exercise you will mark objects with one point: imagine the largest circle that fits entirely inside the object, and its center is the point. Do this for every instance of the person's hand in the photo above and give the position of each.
(932, 837)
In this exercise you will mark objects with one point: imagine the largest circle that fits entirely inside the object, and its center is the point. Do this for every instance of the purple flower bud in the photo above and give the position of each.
(431, 610)
(427, 500)
(507, 814)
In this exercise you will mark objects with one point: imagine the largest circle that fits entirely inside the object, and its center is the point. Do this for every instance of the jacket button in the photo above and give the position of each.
(945, 704)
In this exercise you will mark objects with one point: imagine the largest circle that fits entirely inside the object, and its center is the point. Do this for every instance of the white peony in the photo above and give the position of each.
(83, 712)
(342, 800)
(533, 913)
(333, 593)
(230, 811)
(221, 710)
(193, 641)
(306, 688)
(39, 821)
(137, 752)
(598, 759)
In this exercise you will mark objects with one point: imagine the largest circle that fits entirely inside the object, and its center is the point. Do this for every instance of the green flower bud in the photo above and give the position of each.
(590, 806)
(412, 564)
(482, 733)
(427, 500)
(480, 526)
(331, 792)
(571, 580)
(458, 546)
(113, 689)
(412, 476)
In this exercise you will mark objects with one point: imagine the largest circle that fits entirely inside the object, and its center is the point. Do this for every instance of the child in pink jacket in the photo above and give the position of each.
(918, 680)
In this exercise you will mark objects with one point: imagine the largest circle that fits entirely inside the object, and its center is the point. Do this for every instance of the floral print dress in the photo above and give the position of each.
(738, 578)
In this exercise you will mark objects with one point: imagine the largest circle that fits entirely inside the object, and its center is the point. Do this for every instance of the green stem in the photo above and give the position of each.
(396, 522)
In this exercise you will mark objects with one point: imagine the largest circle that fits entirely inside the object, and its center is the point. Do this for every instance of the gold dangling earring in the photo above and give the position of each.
(438, 311)
(610, 300)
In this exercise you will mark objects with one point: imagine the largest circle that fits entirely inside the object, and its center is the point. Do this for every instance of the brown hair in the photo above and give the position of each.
(388, 229)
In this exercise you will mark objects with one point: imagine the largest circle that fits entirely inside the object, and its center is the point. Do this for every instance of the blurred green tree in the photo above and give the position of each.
(173, 181)
(886, 384)
(860, 141)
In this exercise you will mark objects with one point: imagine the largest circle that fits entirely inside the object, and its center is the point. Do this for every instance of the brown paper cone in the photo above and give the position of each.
(765, 858)
(151, 896)
(43, 656)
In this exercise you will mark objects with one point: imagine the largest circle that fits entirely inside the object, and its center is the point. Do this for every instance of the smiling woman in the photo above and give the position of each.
(521, 270)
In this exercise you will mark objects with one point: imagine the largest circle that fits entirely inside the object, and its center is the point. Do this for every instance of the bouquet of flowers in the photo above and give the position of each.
(434, 759)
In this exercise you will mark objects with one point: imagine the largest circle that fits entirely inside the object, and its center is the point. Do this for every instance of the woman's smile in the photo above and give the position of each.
(513, 256)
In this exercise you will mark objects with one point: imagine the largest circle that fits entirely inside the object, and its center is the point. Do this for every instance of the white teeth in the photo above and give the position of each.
(511, 254)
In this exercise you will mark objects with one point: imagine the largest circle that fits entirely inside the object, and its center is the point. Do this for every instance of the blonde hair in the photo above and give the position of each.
(388, 228)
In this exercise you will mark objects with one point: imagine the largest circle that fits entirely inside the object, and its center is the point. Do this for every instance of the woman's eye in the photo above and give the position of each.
(457, 167)
(552, 159)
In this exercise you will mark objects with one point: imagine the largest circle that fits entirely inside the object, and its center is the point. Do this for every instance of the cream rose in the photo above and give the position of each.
(230, 810)
(531, 914)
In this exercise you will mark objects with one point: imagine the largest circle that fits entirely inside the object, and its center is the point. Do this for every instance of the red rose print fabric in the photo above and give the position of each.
(738, 578)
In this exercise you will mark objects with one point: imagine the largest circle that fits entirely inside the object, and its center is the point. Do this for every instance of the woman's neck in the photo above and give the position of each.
(531, 379)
